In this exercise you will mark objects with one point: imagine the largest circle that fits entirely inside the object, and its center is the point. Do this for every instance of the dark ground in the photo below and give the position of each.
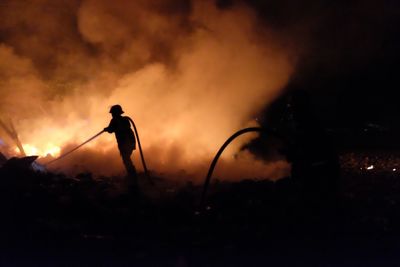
(53, 220)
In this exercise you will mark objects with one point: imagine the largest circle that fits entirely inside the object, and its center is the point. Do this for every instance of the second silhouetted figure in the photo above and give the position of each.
(121, 126)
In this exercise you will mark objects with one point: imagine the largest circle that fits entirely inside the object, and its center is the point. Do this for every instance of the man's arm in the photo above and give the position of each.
(110, 128)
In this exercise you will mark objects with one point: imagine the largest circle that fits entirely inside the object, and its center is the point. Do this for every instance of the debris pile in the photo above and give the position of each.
(48, 211)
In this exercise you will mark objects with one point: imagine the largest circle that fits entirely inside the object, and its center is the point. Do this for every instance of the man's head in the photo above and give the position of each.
(116, 110)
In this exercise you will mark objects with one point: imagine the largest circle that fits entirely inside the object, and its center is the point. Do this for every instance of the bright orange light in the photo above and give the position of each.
(42, 151)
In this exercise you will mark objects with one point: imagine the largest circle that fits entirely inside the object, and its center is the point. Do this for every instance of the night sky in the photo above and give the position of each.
(350, 59)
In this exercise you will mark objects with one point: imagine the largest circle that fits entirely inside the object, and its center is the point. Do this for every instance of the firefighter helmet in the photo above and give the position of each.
(116, 109)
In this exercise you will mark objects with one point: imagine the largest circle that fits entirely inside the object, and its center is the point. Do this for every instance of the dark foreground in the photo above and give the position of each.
(53, 220)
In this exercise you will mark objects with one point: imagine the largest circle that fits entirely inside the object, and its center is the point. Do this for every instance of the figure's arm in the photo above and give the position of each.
(110, 128)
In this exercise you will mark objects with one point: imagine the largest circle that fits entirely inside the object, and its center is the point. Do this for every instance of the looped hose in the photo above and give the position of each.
(215, 160)
(141, 152)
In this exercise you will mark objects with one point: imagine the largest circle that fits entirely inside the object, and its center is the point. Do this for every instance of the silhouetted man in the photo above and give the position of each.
(125, 138)
(315, 164)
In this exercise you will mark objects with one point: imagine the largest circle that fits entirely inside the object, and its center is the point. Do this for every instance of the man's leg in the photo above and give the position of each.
(130, 168)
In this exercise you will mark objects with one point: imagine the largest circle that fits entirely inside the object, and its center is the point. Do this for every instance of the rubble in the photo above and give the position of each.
(57, 213)
(19, 163)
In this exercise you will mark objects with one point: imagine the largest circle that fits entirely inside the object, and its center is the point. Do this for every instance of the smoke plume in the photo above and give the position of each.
(189, 73)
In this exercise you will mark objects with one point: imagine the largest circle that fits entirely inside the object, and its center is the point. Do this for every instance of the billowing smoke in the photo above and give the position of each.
(188, 73)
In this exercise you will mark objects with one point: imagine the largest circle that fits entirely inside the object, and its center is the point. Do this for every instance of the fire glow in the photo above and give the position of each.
(49, 149)
(208, 83)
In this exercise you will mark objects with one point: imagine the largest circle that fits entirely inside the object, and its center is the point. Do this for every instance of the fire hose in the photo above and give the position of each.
(72, 150)
(215, 160)
(272, 132)
(97, 135)
(141, 152)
